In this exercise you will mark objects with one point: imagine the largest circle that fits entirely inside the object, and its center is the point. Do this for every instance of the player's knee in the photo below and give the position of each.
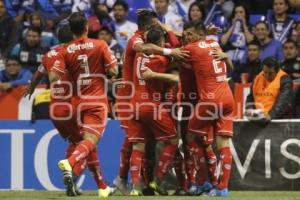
(139, 147)
(222, 141)
(174, 141)
(190, 138)
(91, 137)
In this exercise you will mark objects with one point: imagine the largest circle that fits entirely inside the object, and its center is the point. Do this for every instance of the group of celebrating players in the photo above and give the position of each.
(169, 91)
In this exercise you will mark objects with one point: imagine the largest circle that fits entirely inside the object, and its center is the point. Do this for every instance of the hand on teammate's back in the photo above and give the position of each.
(218, 54)
(179, 54)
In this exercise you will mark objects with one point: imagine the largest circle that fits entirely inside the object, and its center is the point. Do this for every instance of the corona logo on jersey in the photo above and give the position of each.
(73, 47)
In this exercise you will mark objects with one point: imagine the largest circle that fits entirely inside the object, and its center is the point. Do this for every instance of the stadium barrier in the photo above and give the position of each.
(265, 156)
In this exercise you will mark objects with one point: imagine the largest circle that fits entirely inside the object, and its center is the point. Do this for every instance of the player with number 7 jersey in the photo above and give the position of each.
(215, 106)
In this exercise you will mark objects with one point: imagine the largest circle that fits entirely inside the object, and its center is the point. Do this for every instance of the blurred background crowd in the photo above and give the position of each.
(251, 31)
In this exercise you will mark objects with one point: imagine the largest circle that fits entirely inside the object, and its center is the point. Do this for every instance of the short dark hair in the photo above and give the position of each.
(107, 29)
(77, 22)
(37, 30)
(199, 26)
(272, 62)
(263, 22)
(144, 17)
(291, 41)
(65, 34)
(14, 58)
(121, 3)
(254, 43)
(155, 35)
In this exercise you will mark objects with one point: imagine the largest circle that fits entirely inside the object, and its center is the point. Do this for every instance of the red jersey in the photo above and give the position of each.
(86, 60)
(125, 90)
(210, 74)
(150, 90)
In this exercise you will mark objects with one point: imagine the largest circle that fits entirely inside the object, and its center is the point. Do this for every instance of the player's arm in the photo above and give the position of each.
(171, 77)
(57, 70)
(38, 75)
(154, 49)
(218, 54)
(113, 71)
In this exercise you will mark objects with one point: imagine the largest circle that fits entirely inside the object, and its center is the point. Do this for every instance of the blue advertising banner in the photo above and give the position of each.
(29, 153)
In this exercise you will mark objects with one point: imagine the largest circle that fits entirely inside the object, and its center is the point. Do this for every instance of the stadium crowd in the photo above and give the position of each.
(262, 49)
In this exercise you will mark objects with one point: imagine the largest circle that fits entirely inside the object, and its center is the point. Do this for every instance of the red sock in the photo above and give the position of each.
(212, 166)
(136, 166)
(180, 170)
(165, 160)
(190, 163)
(95, 169)
(80, 166)
(225, 159)
(81, 151)
(124, 159)
(201, 169)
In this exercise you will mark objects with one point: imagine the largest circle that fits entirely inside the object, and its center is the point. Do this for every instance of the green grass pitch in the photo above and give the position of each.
(92, 195)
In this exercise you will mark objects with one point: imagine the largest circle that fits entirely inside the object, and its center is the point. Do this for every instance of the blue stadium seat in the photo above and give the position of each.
(295, 17)
(134, 6)
(256, 18)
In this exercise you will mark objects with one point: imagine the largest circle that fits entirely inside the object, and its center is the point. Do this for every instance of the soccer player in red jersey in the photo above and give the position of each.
(146, 19)
(215, 107)
(87, 62)
(150, 113)
(61, 110)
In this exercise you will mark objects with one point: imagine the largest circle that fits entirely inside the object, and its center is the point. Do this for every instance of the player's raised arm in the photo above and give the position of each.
(147, 19)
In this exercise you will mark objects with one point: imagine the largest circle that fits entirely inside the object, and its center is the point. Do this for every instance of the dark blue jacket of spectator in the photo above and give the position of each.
(30, 57)
(273, 48)
(21, 79)
(8, 34)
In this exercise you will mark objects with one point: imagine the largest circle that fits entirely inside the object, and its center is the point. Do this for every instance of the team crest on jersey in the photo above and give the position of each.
(52, 53)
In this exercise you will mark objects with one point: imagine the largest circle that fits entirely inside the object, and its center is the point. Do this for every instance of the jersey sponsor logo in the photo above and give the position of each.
(204, 45)
(75, 47)
(52, 53)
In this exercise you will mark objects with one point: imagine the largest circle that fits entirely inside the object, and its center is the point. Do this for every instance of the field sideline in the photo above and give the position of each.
(92, 195)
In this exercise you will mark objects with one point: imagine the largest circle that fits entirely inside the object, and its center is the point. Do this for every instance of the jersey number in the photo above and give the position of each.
(84, 64)
(141, 66)
(217, 67)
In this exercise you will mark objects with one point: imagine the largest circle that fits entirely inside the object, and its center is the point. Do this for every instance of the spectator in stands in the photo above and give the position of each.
(294, 6)
(55, 12)
(227, 7)
(124, 28)
(17, 9)
(48, 38)
(271, 91)
(168, 17)
(13, 75)
(296, 35)
(30, 51)
(269, 46)
(237, 36)
(8, 31)
(183, 7)
(196, 12)
(281, 24)
(291, 63)
(106, 34)
(253, 65)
